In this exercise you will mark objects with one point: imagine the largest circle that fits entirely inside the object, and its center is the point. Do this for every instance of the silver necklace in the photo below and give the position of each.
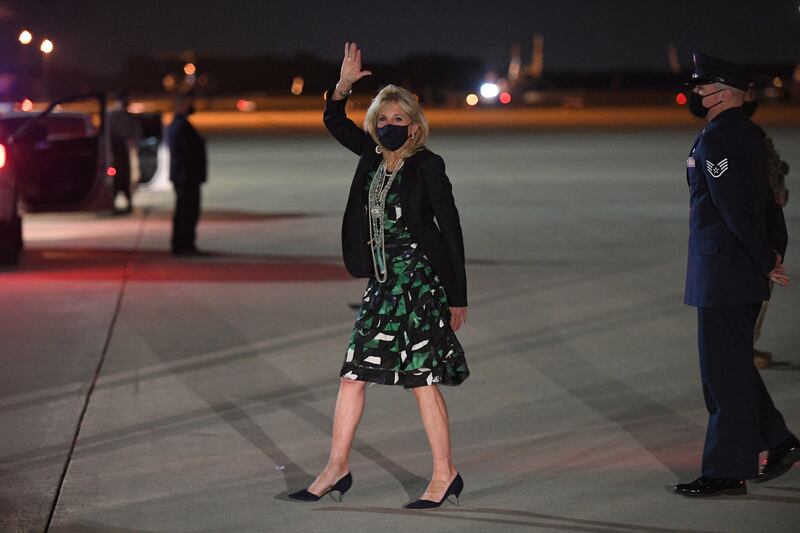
(376, 205)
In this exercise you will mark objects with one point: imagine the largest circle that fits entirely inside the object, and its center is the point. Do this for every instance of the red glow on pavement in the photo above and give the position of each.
(680, 99)
(505, 98)
(81, 264)
(111, 171)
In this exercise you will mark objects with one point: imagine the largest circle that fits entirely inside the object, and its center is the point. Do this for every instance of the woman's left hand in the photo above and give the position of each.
(458, 316)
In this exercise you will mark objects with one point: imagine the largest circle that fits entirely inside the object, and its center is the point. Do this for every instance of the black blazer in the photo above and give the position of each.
(187, 159)
(425, 193)
(735, 226)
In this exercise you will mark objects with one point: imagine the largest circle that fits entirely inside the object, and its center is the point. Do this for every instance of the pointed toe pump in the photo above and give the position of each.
(341, 486)
(454, 489)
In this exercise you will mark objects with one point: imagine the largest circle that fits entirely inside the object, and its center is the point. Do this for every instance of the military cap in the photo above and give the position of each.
(709, 69)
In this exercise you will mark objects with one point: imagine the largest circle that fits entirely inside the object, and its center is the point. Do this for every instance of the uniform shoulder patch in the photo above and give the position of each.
(718, 169)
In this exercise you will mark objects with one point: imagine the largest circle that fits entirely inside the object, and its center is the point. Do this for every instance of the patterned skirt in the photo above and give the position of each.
(402, 335)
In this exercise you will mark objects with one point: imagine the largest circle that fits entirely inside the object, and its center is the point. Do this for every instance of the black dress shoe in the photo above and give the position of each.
(780, 459)
(455, 488)
(341, 486)
(709, 486)
(191, 252)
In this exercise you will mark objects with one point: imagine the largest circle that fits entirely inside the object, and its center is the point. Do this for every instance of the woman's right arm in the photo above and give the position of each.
(335, 117)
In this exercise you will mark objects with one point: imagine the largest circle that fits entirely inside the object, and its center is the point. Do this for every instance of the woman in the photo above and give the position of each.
(416, 297)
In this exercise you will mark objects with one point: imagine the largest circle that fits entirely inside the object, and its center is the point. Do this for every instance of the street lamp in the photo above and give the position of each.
(25, 37)
(47, 46)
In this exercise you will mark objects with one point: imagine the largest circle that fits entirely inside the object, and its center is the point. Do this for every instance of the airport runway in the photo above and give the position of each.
(139, 392)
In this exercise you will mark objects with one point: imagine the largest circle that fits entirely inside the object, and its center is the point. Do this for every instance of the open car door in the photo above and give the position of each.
(60, 166)
(147, 147)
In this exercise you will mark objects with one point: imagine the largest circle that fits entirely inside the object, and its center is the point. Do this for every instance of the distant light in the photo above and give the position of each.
(111, 171)
(297, 85)
(2, 156)
(245, 106)
(189, 69)
(47, 46)
(137, 107)
(472, 99)
(489, 90)
(26, 105)
(777, 82)
(25, 37)
(680, 99)
(169, 82)
(505, 97)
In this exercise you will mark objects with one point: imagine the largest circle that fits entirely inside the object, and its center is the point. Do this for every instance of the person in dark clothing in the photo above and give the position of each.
(777, 169)
(125, 132)
(187, 172)
(733, 221)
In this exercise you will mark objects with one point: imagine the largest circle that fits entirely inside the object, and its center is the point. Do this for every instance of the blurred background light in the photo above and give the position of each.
(245, 106)
(297, 85)
(25, 37)
(489, 90)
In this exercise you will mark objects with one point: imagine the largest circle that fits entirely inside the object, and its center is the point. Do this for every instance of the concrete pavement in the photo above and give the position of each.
(216, 377)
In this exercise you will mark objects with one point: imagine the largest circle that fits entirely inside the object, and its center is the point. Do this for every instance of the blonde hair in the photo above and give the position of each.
(408, 103)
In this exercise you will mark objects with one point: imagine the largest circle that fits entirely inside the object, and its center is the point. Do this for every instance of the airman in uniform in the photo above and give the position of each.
(731, 263)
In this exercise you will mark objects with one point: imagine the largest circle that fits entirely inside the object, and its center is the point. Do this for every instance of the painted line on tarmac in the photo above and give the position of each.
(106, 344)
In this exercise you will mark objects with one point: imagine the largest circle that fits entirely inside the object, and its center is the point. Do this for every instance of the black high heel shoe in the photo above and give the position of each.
(454, 489)
(341, 486)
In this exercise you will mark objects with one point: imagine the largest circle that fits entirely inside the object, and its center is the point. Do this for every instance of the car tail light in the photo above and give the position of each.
(2, 156)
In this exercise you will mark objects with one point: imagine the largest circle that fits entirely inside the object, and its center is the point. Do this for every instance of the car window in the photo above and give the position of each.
(67, 127)
(57, 127)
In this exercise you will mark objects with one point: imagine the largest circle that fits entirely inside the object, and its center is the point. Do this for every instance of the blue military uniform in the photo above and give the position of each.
(732, 216)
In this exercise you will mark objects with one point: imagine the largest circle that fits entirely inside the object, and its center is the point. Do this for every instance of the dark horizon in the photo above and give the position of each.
(579, 35)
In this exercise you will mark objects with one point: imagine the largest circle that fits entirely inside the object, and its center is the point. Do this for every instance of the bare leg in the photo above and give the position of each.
(349, 407)
(433, 411)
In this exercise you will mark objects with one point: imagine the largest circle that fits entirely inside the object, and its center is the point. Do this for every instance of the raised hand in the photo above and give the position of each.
(351, 70)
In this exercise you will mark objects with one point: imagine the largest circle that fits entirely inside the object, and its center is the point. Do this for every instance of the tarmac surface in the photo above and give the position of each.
(141, 392)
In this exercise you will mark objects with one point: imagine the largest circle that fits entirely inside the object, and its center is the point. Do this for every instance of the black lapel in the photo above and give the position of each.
(409, 175)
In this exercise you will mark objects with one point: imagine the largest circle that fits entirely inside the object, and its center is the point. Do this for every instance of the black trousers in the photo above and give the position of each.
(742, 419)
(122, 163)
(187, 213)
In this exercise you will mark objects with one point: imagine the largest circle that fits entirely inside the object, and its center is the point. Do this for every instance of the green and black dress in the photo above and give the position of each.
(402, 335)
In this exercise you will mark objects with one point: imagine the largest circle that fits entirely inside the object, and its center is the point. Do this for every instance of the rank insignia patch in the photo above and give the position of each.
(718, 169)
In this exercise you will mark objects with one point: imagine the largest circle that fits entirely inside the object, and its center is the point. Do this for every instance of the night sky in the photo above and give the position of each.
(578, 34)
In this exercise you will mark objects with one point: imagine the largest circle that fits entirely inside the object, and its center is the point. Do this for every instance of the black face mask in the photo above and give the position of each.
(392, 136)
(750, 107)
(696, 106)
